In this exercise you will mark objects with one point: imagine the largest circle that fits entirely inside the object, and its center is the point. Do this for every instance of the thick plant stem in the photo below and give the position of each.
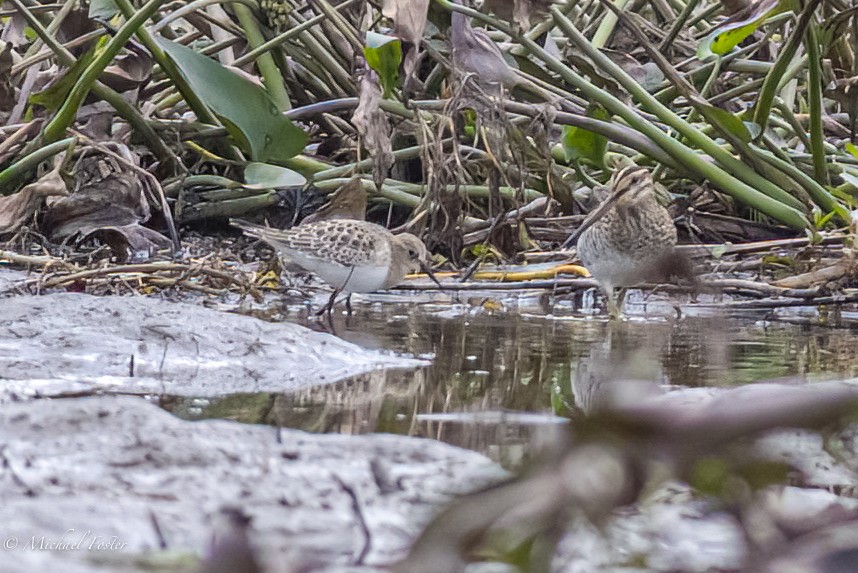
(775, 75)
(814, 95)
(781, 210)
(125, 110)
(746, 182)
(607, 25)
(267, 68)
(17, 171)
(56, 128)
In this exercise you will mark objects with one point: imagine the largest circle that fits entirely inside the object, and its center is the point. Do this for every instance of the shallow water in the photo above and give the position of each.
(504, 369)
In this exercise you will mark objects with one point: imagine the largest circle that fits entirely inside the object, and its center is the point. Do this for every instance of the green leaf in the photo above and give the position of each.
(581, 144)
(54, 95)
(746, 131)
(709, 476)
(105, 9)
(245, 109)
(265, 176)
(852, 149)
(384, 55)
(726, 37)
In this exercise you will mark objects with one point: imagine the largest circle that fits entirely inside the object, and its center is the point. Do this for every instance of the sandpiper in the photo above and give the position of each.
(627, 239)
(352, 256)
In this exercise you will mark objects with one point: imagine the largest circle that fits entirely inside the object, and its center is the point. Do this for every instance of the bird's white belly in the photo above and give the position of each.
(619, 270)
(348, 279)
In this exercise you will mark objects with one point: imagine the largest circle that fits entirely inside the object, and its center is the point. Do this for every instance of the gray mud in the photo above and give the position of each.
(105, 470)
(76, 344)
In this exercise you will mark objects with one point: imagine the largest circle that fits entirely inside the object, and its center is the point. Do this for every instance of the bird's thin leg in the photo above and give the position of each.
(611, 300)
(615, 303)
(329, 307)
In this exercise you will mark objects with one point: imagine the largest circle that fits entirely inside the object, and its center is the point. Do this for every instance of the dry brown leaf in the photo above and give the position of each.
(109, 204)
(128, 71)
(373, 126)
(16, 210)
(409, 17)
(129, 243)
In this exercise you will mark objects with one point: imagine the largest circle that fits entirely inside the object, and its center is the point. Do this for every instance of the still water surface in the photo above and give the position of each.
(500, 374)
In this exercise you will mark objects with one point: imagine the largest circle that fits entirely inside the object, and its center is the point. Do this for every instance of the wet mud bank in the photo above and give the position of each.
(111, 480)
(62, 344)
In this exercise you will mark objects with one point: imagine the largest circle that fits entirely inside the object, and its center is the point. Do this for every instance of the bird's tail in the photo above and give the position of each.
(251, 229)
(280, 240)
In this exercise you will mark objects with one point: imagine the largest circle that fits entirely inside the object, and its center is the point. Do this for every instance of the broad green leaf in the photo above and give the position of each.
(105, 9)
(54, 95)
(852, 149)
(582, 144)
(265, 176)
(245, 109)
(384, 54)
(746, 131)
(727, 36)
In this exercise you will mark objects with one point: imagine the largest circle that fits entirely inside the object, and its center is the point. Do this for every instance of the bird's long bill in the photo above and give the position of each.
(594, 216)
(428, 270)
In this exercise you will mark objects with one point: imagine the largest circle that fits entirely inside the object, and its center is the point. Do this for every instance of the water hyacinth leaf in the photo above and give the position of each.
(105, 9)
(727, 36)
(409, 19)
(581, 144)
(746, 131)
(55, 94)
(246, 109)
(384, 55)
(265, 176)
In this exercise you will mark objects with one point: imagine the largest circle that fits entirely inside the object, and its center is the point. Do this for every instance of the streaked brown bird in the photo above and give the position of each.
(351, 256)
(629, 238)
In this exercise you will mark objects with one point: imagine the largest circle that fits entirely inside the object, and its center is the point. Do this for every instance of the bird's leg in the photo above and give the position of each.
(349, 304)
(329, 307)
(615, 302)
(621, 301)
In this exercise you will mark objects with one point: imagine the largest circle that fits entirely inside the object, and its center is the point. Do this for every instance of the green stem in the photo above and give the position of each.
(287, 35)
(817, 192)
(738, 179)
(125, 110)
(775, 75)
(17, 171)
(56, 128)
(606, 26)
(814, 94)
(267, 67)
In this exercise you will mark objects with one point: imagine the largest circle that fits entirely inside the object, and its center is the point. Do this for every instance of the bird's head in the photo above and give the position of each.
(416, 254)
(632, 185)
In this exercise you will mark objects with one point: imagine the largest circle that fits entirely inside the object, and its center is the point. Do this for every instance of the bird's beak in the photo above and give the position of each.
(594, 216)
(427, 268)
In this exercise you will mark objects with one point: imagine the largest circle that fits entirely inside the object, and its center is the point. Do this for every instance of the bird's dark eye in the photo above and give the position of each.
(412, 253)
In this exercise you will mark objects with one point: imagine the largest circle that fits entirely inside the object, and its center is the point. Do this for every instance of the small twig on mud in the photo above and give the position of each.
(142, 268)
(361, 521)
(144, 272)
(31, 260)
